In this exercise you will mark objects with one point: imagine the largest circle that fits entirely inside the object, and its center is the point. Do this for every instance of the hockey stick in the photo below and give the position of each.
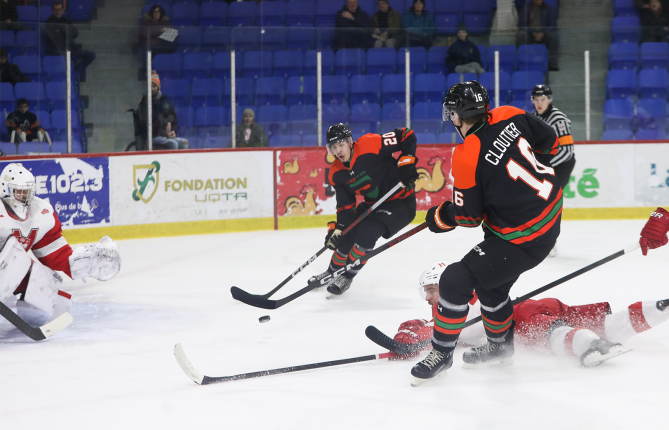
(378, 337)
(238, 292)
(36, 333)
(201, 379)
(260, 302)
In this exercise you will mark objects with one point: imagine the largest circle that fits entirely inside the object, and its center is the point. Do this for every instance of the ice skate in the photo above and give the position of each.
(600, 351)
(318, 280)
(431, 366)
(491, 354)
(553, 252)
(340, 285)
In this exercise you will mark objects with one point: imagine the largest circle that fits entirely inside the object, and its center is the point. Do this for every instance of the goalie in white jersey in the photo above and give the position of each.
(30, 223)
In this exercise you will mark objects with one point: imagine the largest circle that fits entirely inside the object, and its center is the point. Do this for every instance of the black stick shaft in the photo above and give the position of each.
(32, 332)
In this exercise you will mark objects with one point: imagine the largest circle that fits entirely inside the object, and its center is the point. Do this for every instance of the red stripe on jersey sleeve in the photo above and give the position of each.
(58, 259)
(51, 236)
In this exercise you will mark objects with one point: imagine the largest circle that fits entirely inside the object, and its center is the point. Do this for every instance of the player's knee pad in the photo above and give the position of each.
(370, 233)
(457, 284)
(14, 265)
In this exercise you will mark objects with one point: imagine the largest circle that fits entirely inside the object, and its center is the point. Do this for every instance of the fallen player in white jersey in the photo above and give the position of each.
(30, 223)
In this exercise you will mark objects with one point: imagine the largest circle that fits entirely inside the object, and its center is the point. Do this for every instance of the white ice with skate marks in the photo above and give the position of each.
(114, 367)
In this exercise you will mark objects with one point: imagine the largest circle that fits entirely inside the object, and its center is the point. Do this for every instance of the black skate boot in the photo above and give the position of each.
(323, 280)
(600, 351)
(430, 367)
(340, 285)
(492, 353)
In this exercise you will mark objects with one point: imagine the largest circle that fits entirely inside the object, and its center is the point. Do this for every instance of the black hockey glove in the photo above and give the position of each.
(434, 218)
(406, 165)
(334, 234)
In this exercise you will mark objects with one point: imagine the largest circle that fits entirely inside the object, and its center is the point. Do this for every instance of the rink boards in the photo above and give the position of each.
(151, 194)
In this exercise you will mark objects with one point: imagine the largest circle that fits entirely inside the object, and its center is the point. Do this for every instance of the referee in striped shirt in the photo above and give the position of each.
(563, 162)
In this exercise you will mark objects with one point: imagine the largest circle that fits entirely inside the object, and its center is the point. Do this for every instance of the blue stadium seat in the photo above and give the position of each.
(448, 137)
(311, 140)
(59, 122)
(476, 16)
(651, 114)
(56, 94)
(206, 92)
(522, 84)
(209, 121)
(300, 90)
(621, 84)
(272, 118)
(365, 89)
(429, 87)
(177, 90)
(44, 12)
(653, 83)
(426, 117)
(271, 13)
(436, 59)
(45, 122)
(326, 13)
(34, 147)
(30, 66)
(335, 89)
(197, 65)
(365, 117)
(447, 23)
(216, 39)
(532, 58)
(526, 105)
(270, 91)
(381, 61)
(33, 92)
(617, 135)
(189, 40)
(426, 138)
(655, 134)
(257, 64)
(213, 14)
(28, 13)
(624, 8)
(185, 119)
(242, 14)
(244, 94)
(394, 88)
(300, 12)
(245, 38)
(285, 141)
(302, 119)
(273, 38)
(80, 10)
(216, 142)
(168, 66)
(624, 56)
(221, 66)
(625, 29)
(654, 55)
(60, 147)
(185, 14)
(334, 114)
(393, 115)
(288, 63)
(484, 55)
(350, 61)
(9, 148)
(28, 42)
(7, 97)
(507, 58)
(301, 37)
(368, 6)
(454, 78)
(326, 38)
(618, 115)
(454, 6)
(327, 62)
(487, 79)
(8, 40)
(417, 61)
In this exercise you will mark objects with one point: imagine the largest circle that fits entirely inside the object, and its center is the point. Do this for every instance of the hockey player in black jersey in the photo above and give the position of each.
(501, 179)
(367, 168)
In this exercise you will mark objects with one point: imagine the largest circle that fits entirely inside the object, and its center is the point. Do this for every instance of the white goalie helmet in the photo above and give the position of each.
(17, 187)
(430, 276)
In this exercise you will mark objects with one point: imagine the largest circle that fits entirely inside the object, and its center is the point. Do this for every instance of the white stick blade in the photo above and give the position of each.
(53, 327)
(185, 365)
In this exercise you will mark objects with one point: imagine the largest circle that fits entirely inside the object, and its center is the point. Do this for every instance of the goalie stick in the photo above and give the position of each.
(378, 337)
(238, 292)
(36, 333)
(265, 303)
(201, 379)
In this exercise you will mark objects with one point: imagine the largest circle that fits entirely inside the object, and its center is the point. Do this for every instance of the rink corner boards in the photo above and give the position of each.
(144, 231)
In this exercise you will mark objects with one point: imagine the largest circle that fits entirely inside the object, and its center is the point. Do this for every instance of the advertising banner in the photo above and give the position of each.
(303, 188)
(77, 188)
(161, 188)
(651, 172)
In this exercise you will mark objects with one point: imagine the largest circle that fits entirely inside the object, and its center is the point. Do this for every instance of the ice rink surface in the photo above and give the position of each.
(114, 368)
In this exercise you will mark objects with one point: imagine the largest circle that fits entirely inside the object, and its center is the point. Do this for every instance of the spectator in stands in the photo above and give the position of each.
(655, 23)
(419, 24)
(60, 35)
(537, 23)
(154, 23)
(164, 121)
(10, 72)
(24, 124)
(9, 17)
(644, 5)
(250, 134)
(387, 25)
(463, 55)
(352, 27)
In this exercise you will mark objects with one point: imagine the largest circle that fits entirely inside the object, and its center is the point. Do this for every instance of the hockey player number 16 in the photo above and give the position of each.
(516, 171)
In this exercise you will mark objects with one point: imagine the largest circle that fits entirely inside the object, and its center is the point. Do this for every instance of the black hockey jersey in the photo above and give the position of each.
(371, 172)
(502, 179)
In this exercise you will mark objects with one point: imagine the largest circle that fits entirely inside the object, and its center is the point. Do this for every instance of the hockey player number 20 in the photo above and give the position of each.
(390, 139)
(516, 171)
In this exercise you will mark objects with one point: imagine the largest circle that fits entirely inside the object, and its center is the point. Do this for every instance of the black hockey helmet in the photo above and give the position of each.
(337, 133)
(467, 99)
(542, 90)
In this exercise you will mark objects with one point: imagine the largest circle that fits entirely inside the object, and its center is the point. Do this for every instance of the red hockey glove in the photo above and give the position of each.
(406, 165)
(334, 234)
(654, 233)
(434, 218)
(412, 332)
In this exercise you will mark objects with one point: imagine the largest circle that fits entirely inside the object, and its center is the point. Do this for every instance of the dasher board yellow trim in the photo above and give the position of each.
(571, 214)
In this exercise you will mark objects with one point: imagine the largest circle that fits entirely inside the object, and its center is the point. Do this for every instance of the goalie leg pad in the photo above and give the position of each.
(14, 265)
(42, 292)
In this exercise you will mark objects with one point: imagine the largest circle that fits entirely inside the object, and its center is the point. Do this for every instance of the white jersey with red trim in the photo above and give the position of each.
(40, 232)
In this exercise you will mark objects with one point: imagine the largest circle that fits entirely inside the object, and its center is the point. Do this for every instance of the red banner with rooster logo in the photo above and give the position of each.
(303, 189)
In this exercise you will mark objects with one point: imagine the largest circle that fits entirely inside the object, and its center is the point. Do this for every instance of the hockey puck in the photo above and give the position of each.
(264, 319)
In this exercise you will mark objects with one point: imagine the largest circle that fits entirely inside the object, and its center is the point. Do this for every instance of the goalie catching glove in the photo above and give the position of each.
(654, 233)
(334, 234)
(412, 332)
(435, 216)
(101, 260)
